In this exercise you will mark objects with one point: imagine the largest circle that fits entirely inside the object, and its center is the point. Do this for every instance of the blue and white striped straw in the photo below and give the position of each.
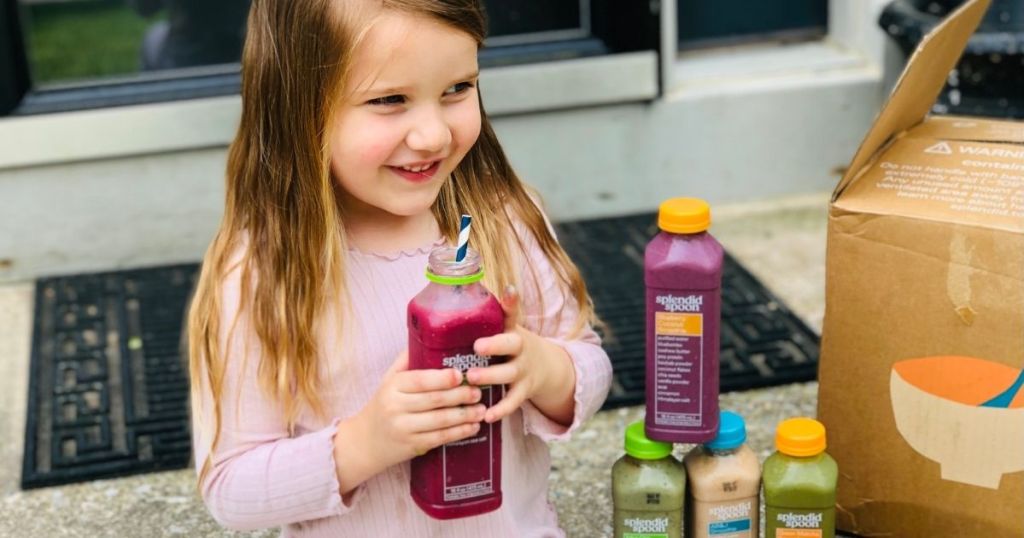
(460, 254)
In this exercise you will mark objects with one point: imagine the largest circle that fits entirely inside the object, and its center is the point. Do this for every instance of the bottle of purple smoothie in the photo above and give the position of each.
(463, 478)
(683, 276)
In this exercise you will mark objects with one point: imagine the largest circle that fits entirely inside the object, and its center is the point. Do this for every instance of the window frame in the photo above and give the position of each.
(14, 74)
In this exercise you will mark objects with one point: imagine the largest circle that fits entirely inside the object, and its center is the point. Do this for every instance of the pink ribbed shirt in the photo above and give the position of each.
(263, 477)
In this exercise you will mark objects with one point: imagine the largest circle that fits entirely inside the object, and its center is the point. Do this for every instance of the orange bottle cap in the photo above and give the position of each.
(801, 437)
(684, 215)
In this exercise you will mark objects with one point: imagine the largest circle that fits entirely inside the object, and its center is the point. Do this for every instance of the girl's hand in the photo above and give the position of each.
(537, 369)
(412, 412)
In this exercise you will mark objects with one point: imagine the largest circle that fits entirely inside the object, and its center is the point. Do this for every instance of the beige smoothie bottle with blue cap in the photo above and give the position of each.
(648, 488)
(724, 484)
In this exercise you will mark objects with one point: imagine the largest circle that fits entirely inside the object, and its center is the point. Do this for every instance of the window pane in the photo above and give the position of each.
(100, 53)
(95, 39)
(704, 23)
(92, 40)
(75, 40)
(508, 17)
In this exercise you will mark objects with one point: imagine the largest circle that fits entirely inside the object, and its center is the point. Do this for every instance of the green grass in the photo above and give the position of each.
(83, 40)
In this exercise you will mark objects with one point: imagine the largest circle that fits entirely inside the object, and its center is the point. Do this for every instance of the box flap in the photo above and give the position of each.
(963, 182)
(920, 83)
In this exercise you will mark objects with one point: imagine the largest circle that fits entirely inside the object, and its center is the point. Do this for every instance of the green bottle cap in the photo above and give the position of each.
(458, 280)
(640, 447)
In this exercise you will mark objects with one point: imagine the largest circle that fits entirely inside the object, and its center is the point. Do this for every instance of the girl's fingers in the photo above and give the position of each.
(510, 304)
(507, 343)
(429, 440)
(439, 399)
(512, 400)
(499, 374)
(442, 419)
(416, 381)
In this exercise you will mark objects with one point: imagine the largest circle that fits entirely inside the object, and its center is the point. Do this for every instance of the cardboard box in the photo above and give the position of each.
(924, 319)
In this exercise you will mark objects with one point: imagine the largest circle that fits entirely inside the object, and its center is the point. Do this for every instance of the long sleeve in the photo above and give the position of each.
(262, 476)
(259, 475)
(551, 313)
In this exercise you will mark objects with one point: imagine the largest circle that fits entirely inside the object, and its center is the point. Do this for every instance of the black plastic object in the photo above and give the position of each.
(109, 391)
(762, 342)
(989, 77)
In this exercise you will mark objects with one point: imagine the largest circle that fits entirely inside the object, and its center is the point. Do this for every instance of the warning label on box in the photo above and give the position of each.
(964, 182)
(973, 189)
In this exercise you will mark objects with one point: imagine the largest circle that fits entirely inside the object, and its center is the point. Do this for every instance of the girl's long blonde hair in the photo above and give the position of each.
(281, 200)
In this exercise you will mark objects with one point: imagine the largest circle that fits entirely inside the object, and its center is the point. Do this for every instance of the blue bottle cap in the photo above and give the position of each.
(732, 432)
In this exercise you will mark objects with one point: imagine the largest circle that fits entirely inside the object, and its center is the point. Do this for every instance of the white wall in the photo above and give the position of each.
(733, 146)
(140, 186)
(109, 214)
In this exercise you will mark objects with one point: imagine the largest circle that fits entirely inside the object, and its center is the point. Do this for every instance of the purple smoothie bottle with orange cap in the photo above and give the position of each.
(683, 277)
(463, 478)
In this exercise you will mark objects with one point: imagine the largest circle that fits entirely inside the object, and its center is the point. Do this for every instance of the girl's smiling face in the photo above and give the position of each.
(409, 116)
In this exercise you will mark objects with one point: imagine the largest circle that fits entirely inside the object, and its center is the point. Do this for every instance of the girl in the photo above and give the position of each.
(362, 139)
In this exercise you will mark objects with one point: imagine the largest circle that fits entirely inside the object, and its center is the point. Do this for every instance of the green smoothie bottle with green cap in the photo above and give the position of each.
(648, 488)
(800, 483)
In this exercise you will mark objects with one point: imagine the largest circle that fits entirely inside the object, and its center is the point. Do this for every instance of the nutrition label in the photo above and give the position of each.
(678, 360)
(471, 473)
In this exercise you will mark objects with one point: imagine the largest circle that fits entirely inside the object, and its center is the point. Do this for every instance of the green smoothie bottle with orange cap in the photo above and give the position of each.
(800, 483)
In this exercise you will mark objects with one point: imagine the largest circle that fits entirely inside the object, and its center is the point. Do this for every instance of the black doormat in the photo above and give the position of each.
(762, 342)
(109, 387)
